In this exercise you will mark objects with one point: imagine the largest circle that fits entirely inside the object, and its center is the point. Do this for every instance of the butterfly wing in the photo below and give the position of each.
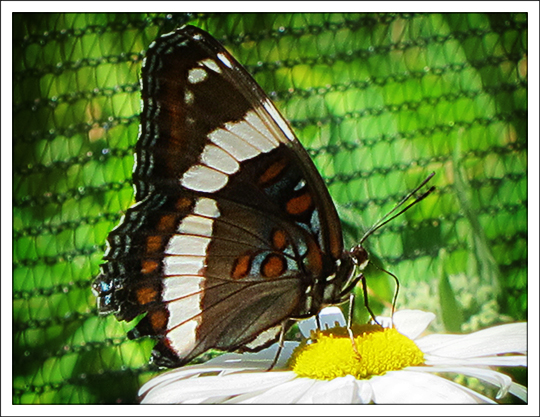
(234, 231)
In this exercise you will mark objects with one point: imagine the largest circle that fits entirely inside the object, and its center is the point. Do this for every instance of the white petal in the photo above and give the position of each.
(286, 393)
(412, 323)
(206, 387)
(506, 338)
(365, 391)
(404, 387)
(385, 322)
(342, 390)
(257, 360)
(175, 375)
(225, 365)
(307, 326)
(432, 342)
(434, 360)
(502, 381)
(212, 400)
(519, 391)
(311, 395)
(329, 317)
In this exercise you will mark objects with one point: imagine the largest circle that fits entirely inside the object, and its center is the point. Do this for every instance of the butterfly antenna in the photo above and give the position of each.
(391, 215)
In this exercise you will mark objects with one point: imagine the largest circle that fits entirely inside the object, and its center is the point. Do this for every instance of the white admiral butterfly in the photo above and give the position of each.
(234, 232)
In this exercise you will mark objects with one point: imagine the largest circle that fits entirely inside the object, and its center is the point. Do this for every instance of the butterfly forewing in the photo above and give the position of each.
(233, 232)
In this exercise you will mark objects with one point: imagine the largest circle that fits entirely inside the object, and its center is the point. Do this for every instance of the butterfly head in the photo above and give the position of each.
(339, 285)
(359, 256)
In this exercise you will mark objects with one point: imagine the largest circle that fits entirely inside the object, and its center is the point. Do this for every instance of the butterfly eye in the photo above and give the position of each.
(359, 256)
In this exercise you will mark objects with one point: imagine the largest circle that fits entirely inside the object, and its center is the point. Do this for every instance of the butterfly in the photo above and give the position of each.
(234, 234)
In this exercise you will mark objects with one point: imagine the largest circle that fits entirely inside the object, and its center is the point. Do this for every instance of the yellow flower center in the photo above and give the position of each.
(331, 355)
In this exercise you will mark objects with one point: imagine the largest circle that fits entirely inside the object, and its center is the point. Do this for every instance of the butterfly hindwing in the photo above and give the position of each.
(233, 232)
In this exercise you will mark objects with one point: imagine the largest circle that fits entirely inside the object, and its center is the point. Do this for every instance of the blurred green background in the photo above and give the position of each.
(379, 100)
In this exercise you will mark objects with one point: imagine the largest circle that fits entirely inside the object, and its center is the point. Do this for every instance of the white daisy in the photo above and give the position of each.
(392, 366)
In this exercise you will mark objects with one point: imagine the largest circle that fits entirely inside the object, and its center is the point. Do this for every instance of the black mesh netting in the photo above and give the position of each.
(378, 100)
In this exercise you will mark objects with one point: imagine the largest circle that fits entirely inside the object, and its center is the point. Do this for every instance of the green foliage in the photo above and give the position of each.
(379, 101)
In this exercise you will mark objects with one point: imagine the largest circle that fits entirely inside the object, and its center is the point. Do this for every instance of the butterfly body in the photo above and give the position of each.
(233, 232)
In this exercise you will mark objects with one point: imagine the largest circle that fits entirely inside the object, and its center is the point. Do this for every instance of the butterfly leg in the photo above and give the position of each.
(349, 328)
(394, 301)
(280, 345)
(366, 299)
(318, 322)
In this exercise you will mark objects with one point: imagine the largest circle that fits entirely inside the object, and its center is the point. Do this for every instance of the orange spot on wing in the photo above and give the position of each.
(166, 223)
(146, 295)
(273, 266)
(158, 319)
(183, 203)
(153, 244)
(148, 266)
(241, 267)
(272, 172)
(279, 240)
(299, 205)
